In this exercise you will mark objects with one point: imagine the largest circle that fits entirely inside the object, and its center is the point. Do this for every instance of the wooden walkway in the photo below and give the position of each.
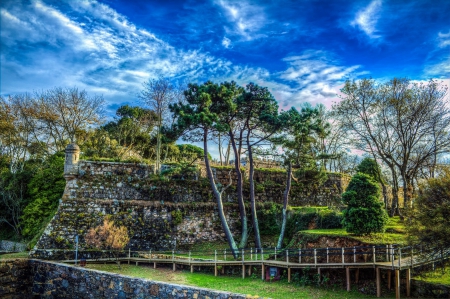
(381, 258)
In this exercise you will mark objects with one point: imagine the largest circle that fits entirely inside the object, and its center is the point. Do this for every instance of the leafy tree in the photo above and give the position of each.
(370, 167)
(301, 131)
(132, 129)
(258, 110)
(13, 199)
(364, 213)
(197, 118)
(430, 215)
(45, 189)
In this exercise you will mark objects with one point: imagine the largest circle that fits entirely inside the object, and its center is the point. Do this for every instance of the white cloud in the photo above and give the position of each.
(438, 61)
(105, 53)
(367, 18)
(226, 42)
(244, 19)
(444, 39)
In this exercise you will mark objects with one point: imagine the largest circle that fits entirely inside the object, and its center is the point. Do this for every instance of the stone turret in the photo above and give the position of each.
(71, 161)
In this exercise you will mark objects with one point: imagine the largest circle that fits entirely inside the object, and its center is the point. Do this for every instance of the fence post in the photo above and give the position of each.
(287, 256)
(173, 255)
(242, 255)
(129, 255)
(387, 253)
(275, 253)
(328, 260)
(342, 253)
(215, 256)
(299, 256)
(373, 253)
(399, 258)
(392, 256)
(189, 256)
(354, 254)
(315, 257)
(262, 254)
(225, 254)
(251, 254)
(412, 256)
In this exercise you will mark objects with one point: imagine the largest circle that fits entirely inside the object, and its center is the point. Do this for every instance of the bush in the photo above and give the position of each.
(430, 215)
(364, 214)
(45, 189)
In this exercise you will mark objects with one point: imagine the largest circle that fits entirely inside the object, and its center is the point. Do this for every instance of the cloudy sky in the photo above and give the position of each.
(302, 50)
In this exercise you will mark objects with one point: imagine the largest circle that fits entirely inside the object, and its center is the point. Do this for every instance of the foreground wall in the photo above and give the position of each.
(16, 279)
(41, 279)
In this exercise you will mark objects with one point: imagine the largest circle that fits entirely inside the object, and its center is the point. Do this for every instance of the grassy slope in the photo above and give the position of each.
(251, 286)
(14, 255)
(439, 276)
(394, 234)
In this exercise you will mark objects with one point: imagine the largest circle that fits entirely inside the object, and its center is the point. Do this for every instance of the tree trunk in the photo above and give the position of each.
(285, 204)
(227, 155)
(158, 149)
(220, 150)
(218, 196)
(395, 209)
(240, 196)
(252, 194)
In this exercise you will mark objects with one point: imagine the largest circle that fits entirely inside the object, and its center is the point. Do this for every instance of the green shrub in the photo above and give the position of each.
(329, 219)
(45, 189)
(270, 220)
(364, 213)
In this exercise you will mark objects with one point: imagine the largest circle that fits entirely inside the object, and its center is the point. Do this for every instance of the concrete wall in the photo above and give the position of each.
(40, 279)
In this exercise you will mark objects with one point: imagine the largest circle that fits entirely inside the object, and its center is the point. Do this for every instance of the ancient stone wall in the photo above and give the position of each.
(10, 246)
(161, 213)
(22, 279)
(16, 279)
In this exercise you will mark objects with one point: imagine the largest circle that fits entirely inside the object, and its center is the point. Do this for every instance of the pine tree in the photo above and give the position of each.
(364, 213)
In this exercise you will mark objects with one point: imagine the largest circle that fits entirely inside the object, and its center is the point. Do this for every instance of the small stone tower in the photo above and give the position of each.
(71, 161)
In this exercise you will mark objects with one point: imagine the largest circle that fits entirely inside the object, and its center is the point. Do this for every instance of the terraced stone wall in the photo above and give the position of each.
(160, 213)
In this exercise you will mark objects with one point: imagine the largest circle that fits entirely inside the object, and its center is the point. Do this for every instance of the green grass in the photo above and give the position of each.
(439, 276)
(376, 239)
(309, 209)
(249, 286)
(14, 255)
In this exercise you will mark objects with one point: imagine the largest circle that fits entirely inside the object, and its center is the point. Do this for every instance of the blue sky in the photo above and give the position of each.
(302, 50)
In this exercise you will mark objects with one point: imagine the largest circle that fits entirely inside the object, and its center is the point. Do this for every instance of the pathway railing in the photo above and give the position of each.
(393, 255)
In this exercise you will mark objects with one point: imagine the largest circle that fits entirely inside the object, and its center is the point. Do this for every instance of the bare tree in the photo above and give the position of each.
(64, 112)
(158, 94)
(402, 123)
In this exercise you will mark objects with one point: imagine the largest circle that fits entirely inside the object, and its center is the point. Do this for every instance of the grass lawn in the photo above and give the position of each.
(438, 276)
(249, 286)
(394, 234)
(14, 255)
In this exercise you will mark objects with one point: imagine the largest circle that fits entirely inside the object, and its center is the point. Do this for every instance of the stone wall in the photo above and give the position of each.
(24, 278)
(161, 213)
(15, 279)
(10, 246)
(151, 224)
